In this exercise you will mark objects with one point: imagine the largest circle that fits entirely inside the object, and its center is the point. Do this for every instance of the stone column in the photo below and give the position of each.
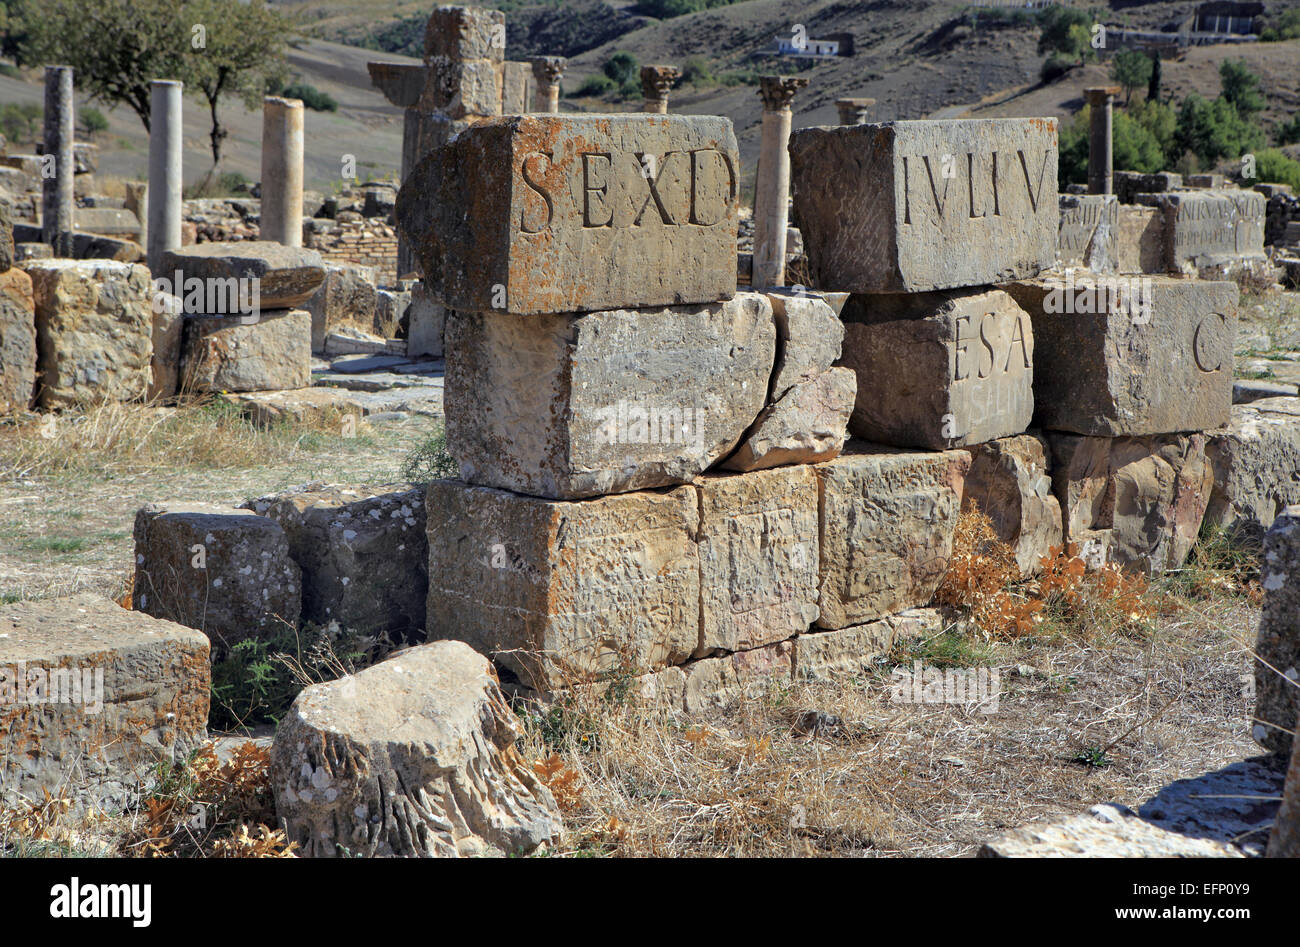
(282, 142)
(1101, 100)
(57, 188)
(772, 180)
(854, 111)
(548, 70)
(655, 83)
(165, 201)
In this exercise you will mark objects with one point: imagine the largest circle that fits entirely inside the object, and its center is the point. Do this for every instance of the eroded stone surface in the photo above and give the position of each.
(1256, 459)
(1009, 482)
(558, 213)
(926, 205)
(17, 341)
(93, 697)
(939, 370)
(886, 526)
(808, 338)
(230, 353)
(1277, 649)
(559, 592)
(346, 295)
(856, 651)
(363, 554)
(94, 327)
(1158, 363)
(1135, 501)
(1104, 831)
(574, 406)
(758, 555)
(225, 572)
(716, 683)
(286, 276)
(809, 425)
(412, 757)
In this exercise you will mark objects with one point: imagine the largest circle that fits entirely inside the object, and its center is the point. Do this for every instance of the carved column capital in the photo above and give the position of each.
(778, 92)
(548, 70)
(657, 80)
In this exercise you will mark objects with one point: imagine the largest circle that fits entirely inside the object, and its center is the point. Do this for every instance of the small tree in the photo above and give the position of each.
(1130, 69)
(1067, 31)
(624, 70)
(1153, 85)
(1241, 87)
(115, 47)
(232, 48)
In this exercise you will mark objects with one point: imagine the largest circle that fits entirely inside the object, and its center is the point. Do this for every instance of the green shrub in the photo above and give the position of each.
(19, 121)
(1131, 69)
(1067, 31)
(92, 121)
(1214, 130)
(697, 71)
(1273, 167)
(311, 97)
(595, 85)
(1288, 133)
(1055, 66)
(430, 460)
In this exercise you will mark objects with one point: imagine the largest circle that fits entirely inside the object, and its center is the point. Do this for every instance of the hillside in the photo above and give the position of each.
(917, 59)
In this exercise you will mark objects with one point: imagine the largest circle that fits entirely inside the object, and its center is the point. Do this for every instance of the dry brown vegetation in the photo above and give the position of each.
(1122, 688)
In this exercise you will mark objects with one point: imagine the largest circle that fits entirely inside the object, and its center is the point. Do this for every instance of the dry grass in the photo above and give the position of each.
(1093, 707)
(120, 438)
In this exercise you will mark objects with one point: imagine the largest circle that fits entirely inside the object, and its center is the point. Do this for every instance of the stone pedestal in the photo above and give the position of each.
(57, 191)
(772, 186)
(655, 83)
(1100, 168)
(165, 199)
(282, 144)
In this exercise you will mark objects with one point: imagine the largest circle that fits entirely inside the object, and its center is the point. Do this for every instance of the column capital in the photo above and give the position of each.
(1097, 95)
(657, 80)
(548, 69)
(854, 111)
(778, 92)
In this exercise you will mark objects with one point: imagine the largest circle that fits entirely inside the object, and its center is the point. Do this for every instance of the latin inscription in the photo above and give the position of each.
(928, 180)
(605, 189)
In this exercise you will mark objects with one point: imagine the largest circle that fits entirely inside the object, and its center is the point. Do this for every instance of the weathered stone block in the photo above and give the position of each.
(886, 522)
(1135, 501)
(168, 337)
(808, 339)
(363, 552)
(1255, 459)
(225, 572)
(856, 651)
(1088, 234)
(347, 294)
(717, 683)
(517, 88)
(465, 33)
(226, 353)
(1284, 840)
(426, 318)
(1211, 228)
(17, 341)
(568, 406)
(6, 236)
(94, 327)
(462, 89)
(286, 277)
(548, 213)
(413, 757)
(758, 557)
(93, 697)
(809, 425)
(926, 205)
(939, 369)
(1277, 649)
(1141, 356)
(1009, 482)
(559, 592)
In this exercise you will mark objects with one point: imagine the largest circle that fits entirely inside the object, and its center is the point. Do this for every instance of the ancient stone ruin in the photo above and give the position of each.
(702, 487)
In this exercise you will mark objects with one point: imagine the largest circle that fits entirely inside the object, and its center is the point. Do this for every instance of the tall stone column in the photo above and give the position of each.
(165, 201)
(1101, 101)
(548, 70)
(57, 188)
(772, 180)
(655, 83)
(854, 111)
(282, 145)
